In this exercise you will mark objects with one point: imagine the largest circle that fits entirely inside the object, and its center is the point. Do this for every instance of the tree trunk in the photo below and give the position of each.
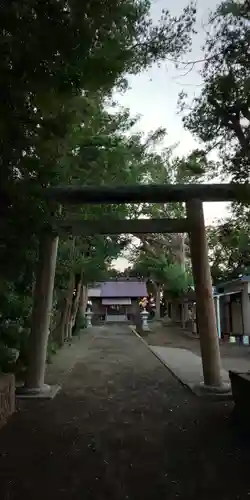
(70, 296)
(206, 316)
(83, 301)
(64, 326)
(175, 316)
(61, 334)
(184, 314)
(158, 302)
(42, 305)
(76, 300)
(68, 326)
(180, 250)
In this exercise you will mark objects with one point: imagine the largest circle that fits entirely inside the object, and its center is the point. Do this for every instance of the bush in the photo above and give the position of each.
(8, 357)
(51, 350)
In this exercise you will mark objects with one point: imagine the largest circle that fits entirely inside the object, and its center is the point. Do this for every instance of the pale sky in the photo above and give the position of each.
(154, 94)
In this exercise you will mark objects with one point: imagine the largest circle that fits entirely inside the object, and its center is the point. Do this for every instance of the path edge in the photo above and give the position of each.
(193, 388)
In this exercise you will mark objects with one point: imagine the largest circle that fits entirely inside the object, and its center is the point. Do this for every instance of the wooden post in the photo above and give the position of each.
(184, 314)
(175, 316)
(245, 310)
(206, 316)
(218, 318)
(42, 305)
(158, 302)
(245, 301)
(83, 301)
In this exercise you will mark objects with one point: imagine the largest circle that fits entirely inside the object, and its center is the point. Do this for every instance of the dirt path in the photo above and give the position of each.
(122, 428)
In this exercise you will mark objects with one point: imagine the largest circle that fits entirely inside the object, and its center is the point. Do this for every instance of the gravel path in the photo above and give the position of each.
(122, 428)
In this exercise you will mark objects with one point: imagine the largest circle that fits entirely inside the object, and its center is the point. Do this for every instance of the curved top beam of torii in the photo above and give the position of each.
(148, 193)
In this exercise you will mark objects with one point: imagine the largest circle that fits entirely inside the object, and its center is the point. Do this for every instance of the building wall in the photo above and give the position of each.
(246, 309)
(99, 310)
(225, 315)
(181, 311)
(236, 311)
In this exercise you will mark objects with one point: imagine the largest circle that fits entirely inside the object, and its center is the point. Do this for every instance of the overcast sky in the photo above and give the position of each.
(154, 94)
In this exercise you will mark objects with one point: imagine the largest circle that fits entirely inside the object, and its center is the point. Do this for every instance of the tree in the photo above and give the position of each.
(104, 146)
(229, 249)
(61, 61)
(164, 259)
(164, 169)
(52, 54)
(54, 51)
(220, 115)
(162, 273)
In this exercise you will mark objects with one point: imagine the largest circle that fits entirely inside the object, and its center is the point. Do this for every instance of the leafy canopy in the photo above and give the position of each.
(229, 249)
(220, 114)
(60, 62)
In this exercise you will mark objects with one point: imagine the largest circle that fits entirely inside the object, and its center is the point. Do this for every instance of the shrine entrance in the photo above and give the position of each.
(116, 313)
(193, 224)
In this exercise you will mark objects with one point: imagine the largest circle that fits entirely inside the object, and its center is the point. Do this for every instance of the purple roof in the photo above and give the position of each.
(123, 289)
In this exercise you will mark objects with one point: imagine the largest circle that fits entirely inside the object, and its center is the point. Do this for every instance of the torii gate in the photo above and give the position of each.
(193, 195)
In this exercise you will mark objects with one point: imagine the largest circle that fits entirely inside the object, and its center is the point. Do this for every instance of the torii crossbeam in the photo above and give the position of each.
(147, 193)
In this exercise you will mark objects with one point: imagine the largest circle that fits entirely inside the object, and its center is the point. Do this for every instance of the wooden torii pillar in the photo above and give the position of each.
(40, 322)
(206, 315)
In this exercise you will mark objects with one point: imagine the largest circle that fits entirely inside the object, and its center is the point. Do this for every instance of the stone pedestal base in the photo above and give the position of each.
(222, 392)
(46, 392)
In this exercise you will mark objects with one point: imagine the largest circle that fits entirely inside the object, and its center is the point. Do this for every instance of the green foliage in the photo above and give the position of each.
(14, 324)
(162, 272)
(220, 115)
(50, 65)
(229, 249)
(220, 118)
(164, 258)
(80, 324)
(8, 358)
(59, 49)
(178, 280)
(149, 267)
(61, 61)
(51, 351)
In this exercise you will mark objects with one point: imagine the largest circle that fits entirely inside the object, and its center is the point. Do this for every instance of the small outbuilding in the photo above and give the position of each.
(232, 305)
(232, 301)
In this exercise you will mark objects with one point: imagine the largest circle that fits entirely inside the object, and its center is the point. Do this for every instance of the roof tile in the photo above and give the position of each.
(124, 289)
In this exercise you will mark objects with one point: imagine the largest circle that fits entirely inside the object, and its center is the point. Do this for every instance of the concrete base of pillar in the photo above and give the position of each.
(218, 393)
(46, 392)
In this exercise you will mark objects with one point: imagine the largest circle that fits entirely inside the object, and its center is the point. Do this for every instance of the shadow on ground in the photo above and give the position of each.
(122, 428)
